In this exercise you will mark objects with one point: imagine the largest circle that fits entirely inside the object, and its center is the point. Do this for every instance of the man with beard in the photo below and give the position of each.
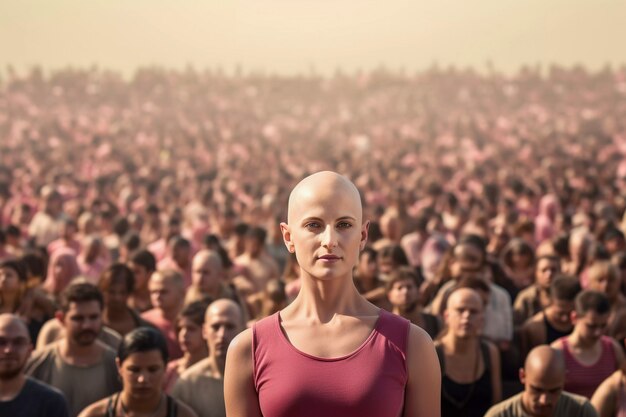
(19, 394)
(79, 365)
(202, 385)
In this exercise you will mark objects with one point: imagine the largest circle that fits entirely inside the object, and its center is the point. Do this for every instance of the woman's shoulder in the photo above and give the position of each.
(98, 409)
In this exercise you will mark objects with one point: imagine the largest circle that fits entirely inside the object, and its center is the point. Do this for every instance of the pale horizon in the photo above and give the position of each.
(299, 36)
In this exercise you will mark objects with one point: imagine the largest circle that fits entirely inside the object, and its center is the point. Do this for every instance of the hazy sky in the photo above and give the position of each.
(289, 36)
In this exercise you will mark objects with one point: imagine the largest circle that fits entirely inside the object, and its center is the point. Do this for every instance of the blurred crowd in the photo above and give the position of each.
(162, 194)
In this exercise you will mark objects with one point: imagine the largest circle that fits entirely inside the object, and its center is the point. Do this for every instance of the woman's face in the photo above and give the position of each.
(61, 271)
(142, 374)
(403, 293)
(190, 335)
(116, 296)
(9, 280)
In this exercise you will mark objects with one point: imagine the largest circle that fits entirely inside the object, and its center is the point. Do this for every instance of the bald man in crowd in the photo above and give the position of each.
(167, 293)
(543, 377)
(208, 279)
(21, 395)
(202, 385)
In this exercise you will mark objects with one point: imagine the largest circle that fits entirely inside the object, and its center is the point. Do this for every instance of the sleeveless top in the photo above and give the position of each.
(369, 382)
(584, 379)
(471, 399)
(553, 334)
(172, 407)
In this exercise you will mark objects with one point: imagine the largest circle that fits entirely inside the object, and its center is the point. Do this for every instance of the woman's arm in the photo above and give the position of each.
(423, 390)
(605, 397)
(240, 394)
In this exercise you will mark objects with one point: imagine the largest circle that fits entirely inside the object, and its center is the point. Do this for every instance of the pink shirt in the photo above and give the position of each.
(167, 328)
(369, 382)
(584, 379)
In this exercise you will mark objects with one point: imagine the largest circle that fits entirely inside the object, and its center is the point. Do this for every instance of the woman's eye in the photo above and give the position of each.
(312, 225)
(344, 225)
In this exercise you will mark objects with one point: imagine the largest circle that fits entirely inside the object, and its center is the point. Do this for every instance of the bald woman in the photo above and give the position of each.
(330, 352)
(543, 377)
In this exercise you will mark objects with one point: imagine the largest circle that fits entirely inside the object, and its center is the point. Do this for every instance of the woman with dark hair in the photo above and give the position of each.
(518, 262)
(117, 283)
(17, 296)
(141, 360)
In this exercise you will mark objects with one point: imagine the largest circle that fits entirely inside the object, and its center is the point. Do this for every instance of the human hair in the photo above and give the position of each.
(368, 250)
(131, 241)
(241, 229)
(178, 242)
(592, 301)
(401, 274)
(194, 311)
(257, 233)
(142, 339)
(564, 288)
(144, 258)
(80, 292)
(395, 253)
(18, 266)
(212, 242)
(602, 268)
(35, 264)
(517, 246)
(117, 273)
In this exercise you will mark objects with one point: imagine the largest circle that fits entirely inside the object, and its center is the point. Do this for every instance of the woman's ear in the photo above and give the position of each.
(364, 233)
(286, 232)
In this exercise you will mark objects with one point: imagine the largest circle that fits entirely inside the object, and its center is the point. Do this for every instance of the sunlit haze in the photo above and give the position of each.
(290, 36)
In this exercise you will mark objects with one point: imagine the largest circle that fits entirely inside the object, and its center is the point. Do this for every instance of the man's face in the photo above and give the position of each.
(591, 326)
(464, 313)
(83, 322)
(142, 275)
(206, 272)
(559, 312)
(467, 259)
(326, 232)
(608, 284)
(220, 328)
(403, 293)
(116, 296)
(164, 294)
(541, 392)
(368, 267)
(15, 349)
(545, 270)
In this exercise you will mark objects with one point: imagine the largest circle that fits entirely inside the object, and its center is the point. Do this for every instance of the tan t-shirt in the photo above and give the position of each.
(569, 405)
(81, 386)
(201, 391)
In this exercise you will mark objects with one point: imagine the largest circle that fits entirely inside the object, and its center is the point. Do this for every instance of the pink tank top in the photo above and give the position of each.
(369, 382)
(584, 379)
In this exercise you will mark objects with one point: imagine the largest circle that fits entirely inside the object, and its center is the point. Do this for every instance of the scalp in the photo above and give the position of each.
(326, 185)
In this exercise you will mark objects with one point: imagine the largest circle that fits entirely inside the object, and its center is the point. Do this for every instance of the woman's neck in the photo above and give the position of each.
(323, 299)
(143, 405)
(456, 345)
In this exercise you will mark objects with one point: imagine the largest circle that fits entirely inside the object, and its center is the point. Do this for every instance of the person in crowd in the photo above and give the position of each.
(260, 265)
(167, 292)
(543, 376)
(330, 328)
(610, 397)
(178, 258)
(590, 357)
(21, 395)
(143, 264)
(403, 295)
(141, 361)
(518, 262)
(555, 320)
(202, 385)
(366, 277)
(68, 237)
(208, 279)
(45, 224)
(62, 269)
(78, 357)
(92, 260)
(604, 277)
(273, 298)
(390, 258)
(536, 296)
(117, 284)
(189, 325)
(470, 365)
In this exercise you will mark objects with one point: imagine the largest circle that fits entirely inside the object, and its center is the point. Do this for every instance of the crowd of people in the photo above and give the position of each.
(139, 229)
